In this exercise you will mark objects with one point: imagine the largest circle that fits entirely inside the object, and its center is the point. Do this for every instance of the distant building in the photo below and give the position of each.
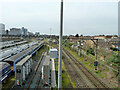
(37, 34)
(75, 39)
(30, 34)
(24, 31)
(15, 31)
(105, 37)
(2, 29)
(99, 37)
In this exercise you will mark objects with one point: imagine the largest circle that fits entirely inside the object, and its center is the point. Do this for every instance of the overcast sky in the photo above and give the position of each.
(88, 17)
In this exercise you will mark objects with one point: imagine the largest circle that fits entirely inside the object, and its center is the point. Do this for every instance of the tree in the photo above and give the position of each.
(114, 59)
(81, 35)
(77, 35)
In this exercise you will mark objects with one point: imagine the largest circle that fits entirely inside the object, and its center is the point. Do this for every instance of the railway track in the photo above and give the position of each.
(38, 82)
(90, 76)
(36, 70)
(74, 74)
(93, 80)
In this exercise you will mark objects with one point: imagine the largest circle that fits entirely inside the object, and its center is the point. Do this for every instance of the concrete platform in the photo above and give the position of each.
(53, 76)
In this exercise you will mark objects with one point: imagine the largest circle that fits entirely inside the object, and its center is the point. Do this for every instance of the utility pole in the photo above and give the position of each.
(80, 48)
(96, 44)
(96, 49)
(119, 43)
(60, 48)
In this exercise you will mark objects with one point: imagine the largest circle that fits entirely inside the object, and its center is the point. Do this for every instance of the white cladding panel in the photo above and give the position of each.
(27, 69)
(2, 29)
(15, 31)
(30, 63)
(25, 66)
(29, 66)
(42, 73)
(23, 73)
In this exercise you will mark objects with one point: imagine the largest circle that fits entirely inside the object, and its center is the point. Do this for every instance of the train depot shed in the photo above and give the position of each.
(23, 69)
(14, 59)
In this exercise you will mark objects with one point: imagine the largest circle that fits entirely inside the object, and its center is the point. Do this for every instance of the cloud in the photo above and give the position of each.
(79, 17)
(19, 1)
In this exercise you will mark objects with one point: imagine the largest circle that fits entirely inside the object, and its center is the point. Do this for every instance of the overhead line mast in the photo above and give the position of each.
(60, 48)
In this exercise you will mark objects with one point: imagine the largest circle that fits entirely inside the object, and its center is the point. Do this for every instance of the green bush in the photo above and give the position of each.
(90, 51)
(114, 49)
(115, 58)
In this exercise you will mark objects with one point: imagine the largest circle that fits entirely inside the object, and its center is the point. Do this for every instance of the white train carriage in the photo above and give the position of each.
(19, 49)
(14, 51)
(23, 69)
(32, 44)
(6, 53)
(22, 47)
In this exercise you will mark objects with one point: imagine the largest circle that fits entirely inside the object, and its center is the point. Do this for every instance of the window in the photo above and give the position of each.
(18, 71)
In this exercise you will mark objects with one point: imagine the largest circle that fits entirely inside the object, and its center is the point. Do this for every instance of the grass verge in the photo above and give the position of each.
(9, 82)
(89, 63)
(39, 53)
(66, 80)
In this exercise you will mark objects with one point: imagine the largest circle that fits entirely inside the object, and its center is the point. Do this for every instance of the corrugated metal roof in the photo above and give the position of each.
(13, 58)
(24, 60)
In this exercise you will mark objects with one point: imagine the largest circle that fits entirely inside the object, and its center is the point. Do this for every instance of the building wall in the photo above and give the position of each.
(99, 37)
(15, 31)
(2, 26)
(24, 31)
(2, 29)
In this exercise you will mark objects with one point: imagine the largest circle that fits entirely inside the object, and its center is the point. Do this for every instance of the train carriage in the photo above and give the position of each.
(5, 71)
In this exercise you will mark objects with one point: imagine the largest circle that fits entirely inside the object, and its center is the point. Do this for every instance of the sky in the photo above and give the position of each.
(87, 17)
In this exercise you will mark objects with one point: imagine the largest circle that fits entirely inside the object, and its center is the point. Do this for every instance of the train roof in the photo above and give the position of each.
(15, 57)
(10, 44)
(24, 60)
(3, 65)
(46, 61)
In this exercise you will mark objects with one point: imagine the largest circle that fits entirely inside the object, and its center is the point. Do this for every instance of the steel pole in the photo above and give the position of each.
(60, 48)
(96, 49)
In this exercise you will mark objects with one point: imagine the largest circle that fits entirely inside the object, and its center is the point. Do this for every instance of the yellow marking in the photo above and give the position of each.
(17, 82)
(12, 68)
(51, 54)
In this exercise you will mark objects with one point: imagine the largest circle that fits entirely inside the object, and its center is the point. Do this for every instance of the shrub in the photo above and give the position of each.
(90, 51)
